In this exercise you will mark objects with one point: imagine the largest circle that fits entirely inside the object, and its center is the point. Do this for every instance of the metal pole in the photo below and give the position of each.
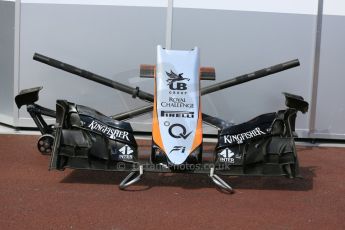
(250, 76)
(315, 81)
(169, 24)
(136, 92)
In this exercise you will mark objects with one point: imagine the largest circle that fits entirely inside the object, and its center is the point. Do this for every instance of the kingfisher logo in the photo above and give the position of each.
(108, 131)
(174, 82)
(239, 138)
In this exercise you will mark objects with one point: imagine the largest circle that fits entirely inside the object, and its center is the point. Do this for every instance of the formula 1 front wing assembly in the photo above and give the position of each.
(83, 138)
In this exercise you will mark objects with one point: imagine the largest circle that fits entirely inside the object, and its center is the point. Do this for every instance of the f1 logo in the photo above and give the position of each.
(182, 149)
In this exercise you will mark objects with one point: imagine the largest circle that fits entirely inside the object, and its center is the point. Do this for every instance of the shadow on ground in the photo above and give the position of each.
(195, 181)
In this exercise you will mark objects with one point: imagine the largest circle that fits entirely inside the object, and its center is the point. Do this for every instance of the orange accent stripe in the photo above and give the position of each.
(156, 134)
(198, 132)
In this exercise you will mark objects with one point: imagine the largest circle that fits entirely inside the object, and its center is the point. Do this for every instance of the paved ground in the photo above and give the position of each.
(31, 197)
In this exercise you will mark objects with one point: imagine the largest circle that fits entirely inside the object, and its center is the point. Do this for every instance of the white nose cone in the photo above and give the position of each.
(177, 101)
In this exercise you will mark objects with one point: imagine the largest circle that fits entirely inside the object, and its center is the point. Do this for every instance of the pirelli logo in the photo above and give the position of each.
(182, 114)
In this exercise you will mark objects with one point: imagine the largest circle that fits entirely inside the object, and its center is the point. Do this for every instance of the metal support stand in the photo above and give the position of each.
(36, 112)
(132, 178)
(219, 181)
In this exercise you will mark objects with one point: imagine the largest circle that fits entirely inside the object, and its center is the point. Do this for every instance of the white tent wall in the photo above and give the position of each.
(113, 37)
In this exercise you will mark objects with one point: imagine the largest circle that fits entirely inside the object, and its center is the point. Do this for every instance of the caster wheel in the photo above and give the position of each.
(45, 144)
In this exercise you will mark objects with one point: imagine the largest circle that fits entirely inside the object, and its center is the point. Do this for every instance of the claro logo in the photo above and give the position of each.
(178, 131)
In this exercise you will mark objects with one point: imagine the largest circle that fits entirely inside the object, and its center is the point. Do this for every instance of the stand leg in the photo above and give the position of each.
(132, 178)
(220, 182)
